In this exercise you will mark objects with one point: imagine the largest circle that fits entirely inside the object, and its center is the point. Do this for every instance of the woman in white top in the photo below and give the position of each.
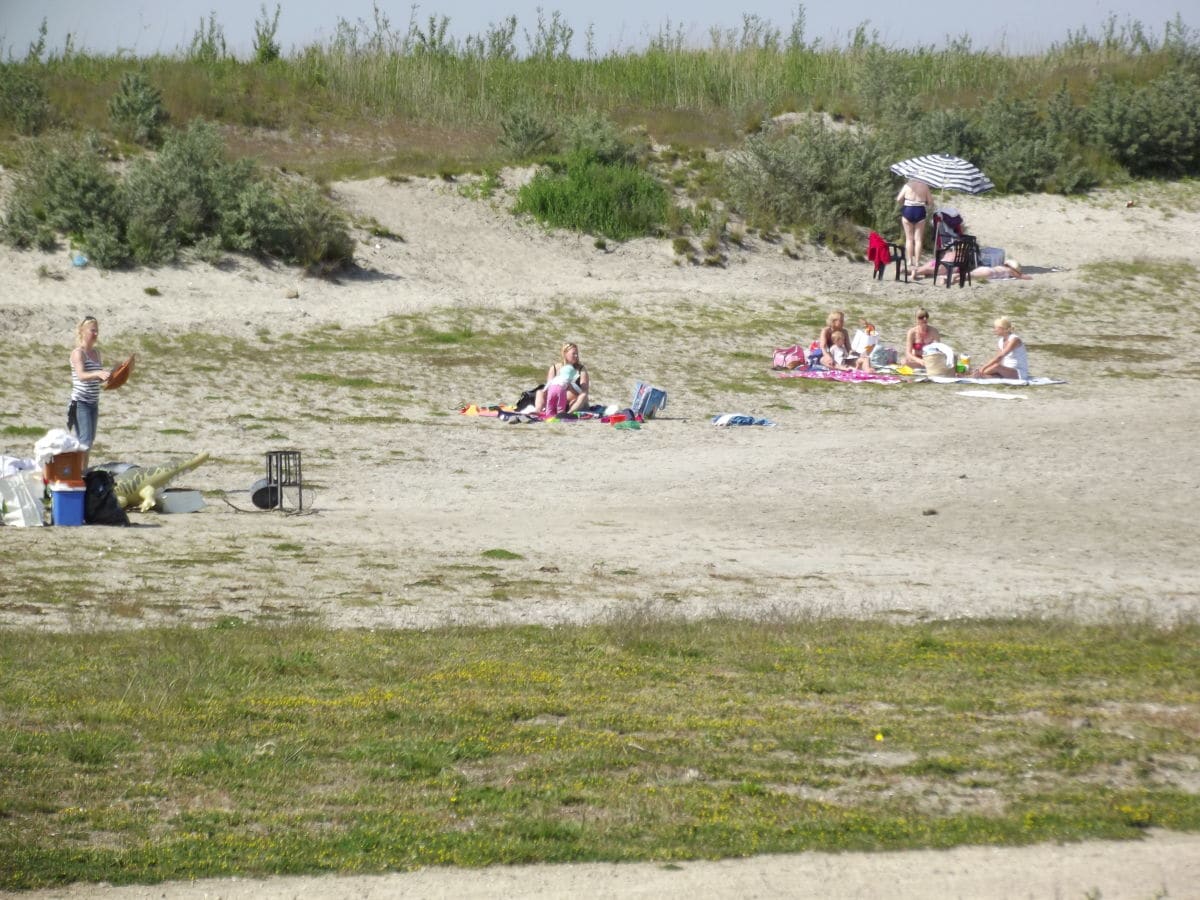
(914, 199)
(1012, 360)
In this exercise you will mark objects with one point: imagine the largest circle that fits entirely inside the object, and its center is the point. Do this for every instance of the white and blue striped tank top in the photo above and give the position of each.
(88, 391)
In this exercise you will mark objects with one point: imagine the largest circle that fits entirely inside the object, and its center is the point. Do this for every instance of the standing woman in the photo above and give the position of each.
(87, 377)
(1011, 360)
(914, 199)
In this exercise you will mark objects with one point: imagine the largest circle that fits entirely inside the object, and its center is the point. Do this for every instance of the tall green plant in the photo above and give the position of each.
(136, 109)
(266, 27)
(23, 101)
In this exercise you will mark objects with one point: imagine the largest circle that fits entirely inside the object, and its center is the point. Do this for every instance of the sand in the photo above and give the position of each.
(908, 502)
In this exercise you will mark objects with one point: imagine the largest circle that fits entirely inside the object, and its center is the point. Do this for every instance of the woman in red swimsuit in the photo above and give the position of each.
(917, 338)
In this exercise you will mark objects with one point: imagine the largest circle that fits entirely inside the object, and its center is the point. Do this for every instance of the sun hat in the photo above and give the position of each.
(1013, 264)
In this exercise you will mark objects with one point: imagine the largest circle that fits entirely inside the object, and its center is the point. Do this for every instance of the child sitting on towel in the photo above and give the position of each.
(556, 389)
(839, 352)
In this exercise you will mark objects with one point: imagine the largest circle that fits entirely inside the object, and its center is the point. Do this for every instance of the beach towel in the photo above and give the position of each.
(726, 419)
(824, 374)
(992, 395)
(966, 379)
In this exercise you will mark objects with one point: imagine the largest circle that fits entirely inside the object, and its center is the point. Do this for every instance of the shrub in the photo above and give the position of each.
(190, 195)
(23, 102)
(136, 109)
(266, 47)
(814, 178)
(61, 188)
(616, 201)
(524, 134)
(1153, 129)
(595, 137)
(183, 194)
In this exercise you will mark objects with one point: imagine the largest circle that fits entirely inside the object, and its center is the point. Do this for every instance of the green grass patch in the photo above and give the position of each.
(22, 431)
(500, 553)
(175, 754)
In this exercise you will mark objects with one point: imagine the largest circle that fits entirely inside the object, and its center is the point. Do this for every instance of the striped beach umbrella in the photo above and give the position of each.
(941, 170)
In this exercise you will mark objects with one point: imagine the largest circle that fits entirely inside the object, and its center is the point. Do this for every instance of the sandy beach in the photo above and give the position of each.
(909, 501)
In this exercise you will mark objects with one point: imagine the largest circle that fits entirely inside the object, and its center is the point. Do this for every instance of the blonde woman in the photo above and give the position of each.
(577, 392)
(1011, 360)
(835, 324)
(87, 377)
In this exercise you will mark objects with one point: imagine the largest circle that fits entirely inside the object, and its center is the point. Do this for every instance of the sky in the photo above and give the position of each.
(147, 27)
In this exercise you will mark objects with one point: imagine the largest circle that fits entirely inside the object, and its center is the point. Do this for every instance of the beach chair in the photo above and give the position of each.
(962, 256)
(883, 253)
(947, 228)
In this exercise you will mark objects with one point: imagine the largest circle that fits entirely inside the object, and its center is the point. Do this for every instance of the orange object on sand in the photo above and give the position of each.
(120, 374)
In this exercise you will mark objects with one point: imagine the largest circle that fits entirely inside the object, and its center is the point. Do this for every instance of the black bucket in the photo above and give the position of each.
(264, 494)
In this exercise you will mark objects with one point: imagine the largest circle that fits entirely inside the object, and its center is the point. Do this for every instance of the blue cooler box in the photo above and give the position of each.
(66, 504)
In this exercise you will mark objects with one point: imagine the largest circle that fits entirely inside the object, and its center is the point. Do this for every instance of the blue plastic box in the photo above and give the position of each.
(66, 504)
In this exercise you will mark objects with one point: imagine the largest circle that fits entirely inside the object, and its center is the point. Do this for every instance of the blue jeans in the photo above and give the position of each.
(86, 417)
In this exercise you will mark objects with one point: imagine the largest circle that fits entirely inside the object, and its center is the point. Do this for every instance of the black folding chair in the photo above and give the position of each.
(965, 257)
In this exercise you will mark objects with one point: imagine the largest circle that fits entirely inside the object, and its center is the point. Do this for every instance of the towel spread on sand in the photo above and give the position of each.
(963, 379)
(739, 419)
(992, 395)
(840, 375)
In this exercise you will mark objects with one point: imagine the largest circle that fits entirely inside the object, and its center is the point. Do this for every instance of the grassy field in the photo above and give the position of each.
(176, 754)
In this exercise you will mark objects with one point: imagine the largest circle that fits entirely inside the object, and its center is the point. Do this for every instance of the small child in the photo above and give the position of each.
(839, 351)
(556, 390)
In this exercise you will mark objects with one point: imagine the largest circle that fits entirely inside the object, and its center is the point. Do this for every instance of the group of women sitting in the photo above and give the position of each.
(1010, 361)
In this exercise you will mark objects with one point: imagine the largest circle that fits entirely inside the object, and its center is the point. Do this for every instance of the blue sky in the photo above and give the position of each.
(145, 27)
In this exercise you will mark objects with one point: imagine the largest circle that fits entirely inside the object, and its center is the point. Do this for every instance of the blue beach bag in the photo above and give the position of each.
(647, 400)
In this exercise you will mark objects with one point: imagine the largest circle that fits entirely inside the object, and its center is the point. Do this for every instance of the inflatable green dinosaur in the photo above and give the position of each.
(144, 485)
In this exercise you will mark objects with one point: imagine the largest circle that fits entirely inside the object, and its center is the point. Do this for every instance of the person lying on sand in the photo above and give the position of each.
(1009, 269)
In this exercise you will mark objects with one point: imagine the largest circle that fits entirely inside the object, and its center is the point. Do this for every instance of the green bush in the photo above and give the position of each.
(183, 194)
(190, 195)
(64, 188)
(814, 178)
(523, 133)
(617, 201)
(1154, 129)
(136, 109)
(593, 136)
(23, 103)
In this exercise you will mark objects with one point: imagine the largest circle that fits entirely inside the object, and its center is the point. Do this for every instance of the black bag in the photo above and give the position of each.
(528, 398)
(100, 506)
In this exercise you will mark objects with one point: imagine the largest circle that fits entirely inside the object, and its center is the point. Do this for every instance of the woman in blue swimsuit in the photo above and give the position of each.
(914, 199)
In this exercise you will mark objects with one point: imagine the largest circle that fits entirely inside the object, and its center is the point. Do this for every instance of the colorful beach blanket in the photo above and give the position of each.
(840, 375)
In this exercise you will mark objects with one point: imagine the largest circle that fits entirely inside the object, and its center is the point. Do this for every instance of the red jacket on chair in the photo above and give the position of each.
(878, 251)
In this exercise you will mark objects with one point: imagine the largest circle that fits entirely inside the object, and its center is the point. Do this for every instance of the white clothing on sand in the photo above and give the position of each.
(1017, 359)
